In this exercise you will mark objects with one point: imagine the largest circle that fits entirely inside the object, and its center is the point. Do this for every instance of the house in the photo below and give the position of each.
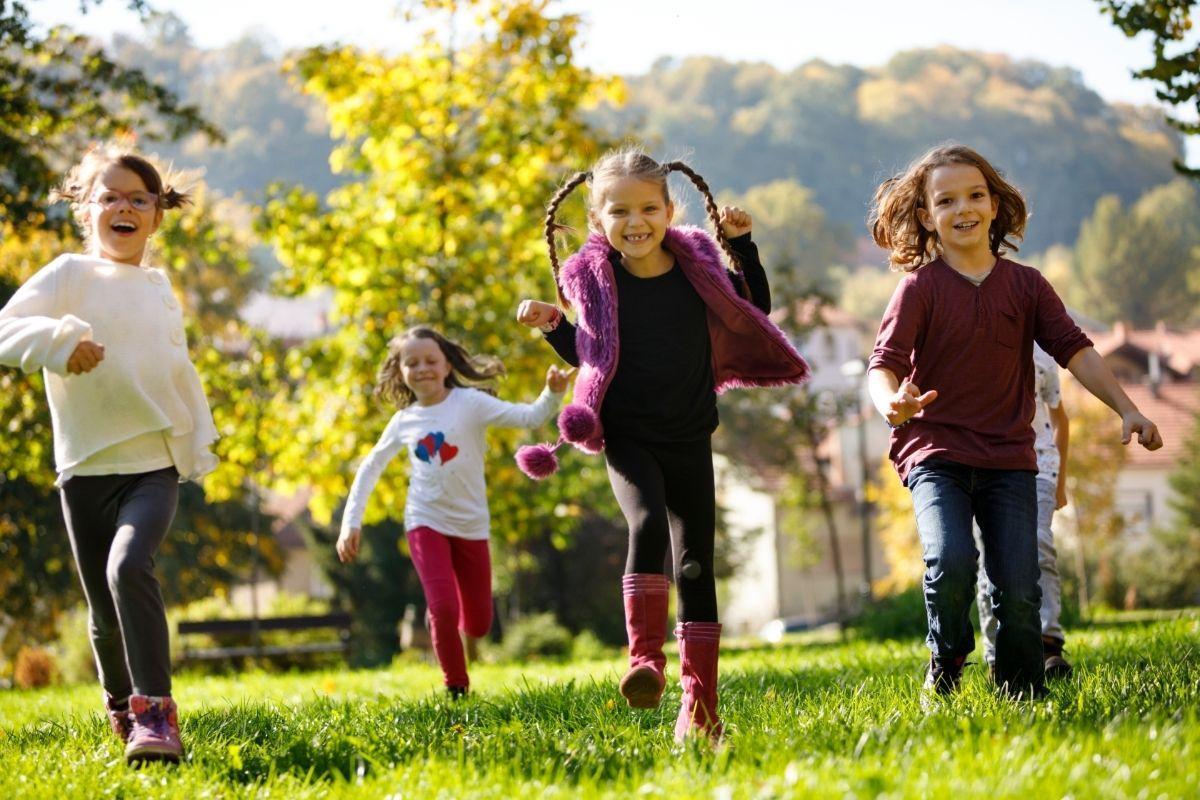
(1159, 369)
(785, 566)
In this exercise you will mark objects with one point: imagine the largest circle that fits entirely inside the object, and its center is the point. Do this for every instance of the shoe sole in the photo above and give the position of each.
(642, 688)
(150, 754)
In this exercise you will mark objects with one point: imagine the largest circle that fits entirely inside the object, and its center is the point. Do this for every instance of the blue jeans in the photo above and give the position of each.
(946, 496)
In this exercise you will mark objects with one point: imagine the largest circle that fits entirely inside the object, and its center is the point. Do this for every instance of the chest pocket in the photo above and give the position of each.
(1008, 329)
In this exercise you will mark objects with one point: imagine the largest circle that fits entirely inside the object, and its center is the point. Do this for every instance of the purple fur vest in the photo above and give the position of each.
(747, 348)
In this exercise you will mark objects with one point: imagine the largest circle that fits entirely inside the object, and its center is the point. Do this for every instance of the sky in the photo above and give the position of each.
(627, 36)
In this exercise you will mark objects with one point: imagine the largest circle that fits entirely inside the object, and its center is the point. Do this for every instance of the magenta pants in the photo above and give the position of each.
(456, 576)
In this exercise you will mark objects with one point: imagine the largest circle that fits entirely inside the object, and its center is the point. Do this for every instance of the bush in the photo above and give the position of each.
(73, 647)
(899, 616)
(537, 636)
(34, 668)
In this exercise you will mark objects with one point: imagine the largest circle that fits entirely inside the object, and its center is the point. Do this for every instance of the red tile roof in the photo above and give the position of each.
(1174, 412)
(1180, 349)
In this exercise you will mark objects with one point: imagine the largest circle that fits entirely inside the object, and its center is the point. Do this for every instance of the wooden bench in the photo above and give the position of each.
(256, 627)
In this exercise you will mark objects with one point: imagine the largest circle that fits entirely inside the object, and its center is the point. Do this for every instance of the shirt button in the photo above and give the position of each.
(155, 276)
(169, 301)
(177, 337)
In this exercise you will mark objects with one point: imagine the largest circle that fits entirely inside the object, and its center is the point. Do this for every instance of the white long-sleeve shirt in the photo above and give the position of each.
(146, 382)
(446, 444)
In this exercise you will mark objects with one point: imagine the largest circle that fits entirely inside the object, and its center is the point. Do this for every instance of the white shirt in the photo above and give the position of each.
(146, 382)
(1047, 392)
(446, 444)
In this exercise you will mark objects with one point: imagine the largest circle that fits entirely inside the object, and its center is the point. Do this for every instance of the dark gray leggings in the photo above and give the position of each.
(116, 523)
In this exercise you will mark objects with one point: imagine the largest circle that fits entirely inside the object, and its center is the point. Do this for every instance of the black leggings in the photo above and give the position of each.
(116, 523)
(668, 497)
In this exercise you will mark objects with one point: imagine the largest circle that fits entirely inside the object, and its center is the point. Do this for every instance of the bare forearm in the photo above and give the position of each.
(1090, 370)
(882, 385)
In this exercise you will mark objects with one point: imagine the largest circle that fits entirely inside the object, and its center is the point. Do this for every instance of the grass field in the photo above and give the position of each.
(810, 718)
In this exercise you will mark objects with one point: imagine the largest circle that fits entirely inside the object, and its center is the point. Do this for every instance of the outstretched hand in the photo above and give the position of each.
(557, 378)
(735, 222)
(1148, 435)
(907, 401)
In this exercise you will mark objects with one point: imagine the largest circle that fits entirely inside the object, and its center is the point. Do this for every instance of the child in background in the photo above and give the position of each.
(662, 327)
(442, 424)
(1051, 430)
(130, 422)
(952, 373)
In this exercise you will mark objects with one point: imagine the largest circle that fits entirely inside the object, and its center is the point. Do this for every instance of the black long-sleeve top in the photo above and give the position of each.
(663, 389)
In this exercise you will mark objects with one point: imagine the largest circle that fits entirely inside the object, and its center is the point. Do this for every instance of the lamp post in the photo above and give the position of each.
(856, 369)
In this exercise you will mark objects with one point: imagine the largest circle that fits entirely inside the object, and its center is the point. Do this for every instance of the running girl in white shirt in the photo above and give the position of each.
(442, 423)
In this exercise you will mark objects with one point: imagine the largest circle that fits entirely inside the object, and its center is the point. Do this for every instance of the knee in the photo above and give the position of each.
(1020, 598)
(479, 626)
(953, 569)
(126, 571)
(443, 611)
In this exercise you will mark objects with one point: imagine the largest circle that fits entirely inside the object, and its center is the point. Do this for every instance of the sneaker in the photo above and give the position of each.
(119, 718)
(1055, 665)
(456, 692)
(941, 679)
(155, 733)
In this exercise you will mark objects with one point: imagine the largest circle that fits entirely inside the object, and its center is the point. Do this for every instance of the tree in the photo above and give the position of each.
(450, 153)
(61, 91)
(839, 130)
(897, 529)
(1134, 265)
(1093, 465)
(1176, 75)
(795, 240)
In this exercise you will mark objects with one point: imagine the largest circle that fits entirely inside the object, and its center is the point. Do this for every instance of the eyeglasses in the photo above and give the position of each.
(138, 201)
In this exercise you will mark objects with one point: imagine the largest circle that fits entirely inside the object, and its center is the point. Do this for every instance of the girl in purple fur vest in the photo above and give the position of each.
(662, 327)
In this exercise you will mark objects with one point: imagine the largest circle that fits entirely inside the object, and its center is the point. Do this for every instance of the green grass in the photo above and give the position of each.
(806, 719)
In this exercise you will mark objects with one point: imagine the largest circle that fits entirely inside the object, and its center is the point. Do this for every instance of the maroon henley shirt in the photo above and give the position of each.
(974, 345)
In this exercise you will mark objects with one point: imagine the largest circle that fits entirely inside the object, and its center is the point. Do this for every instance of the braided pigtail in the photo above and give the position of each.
(552, 227)
(714, 216)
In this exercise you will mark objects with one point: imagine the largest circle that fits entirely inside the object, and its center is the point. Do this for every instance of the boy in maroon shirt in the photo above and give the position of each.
(962, 324)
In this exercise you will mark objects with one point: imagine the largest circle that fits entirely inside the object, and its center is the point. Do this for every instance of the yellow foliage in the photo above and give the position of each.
(897, 530)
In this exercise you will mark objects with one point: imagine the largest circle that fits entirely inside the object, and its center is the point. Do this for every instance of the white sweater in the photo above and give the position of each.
(146, 381)
(446, 444)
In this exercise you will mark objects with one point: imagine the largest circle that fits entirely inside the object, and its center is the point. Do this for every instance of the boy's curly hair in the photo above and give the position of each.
(893, 218)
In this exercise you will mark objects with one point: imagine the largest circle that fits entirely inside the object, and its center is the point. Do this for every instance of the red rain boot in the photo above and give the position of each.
(699, 643)
(646, 597)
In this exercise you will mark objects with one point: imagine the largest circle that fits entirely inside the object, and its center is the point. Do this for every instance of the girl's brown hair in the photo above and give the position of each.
(893, 219)
(465, 369)
(623, 163)
(78, 185)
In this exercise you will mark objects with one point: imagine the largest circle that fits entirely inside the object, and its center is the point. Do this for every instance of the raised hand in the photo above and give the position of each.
(557, 378)
(85, 357)
(535, 313)
(907, 401)
(734, 222)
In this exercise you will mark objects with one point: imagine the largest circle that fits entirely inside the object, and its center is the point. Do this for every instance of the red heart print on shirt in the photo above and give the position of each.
(448, 452)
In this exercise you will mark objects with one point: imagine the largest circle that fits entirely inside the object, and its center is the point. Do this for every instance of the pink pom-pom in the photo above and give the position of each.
(577, 423)
(537, 461)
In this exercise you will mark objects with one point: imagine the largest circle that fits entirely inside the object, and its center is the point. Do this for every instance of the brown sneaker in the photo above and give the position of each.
(155, 734)
(118, 716)
(1055, 665)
